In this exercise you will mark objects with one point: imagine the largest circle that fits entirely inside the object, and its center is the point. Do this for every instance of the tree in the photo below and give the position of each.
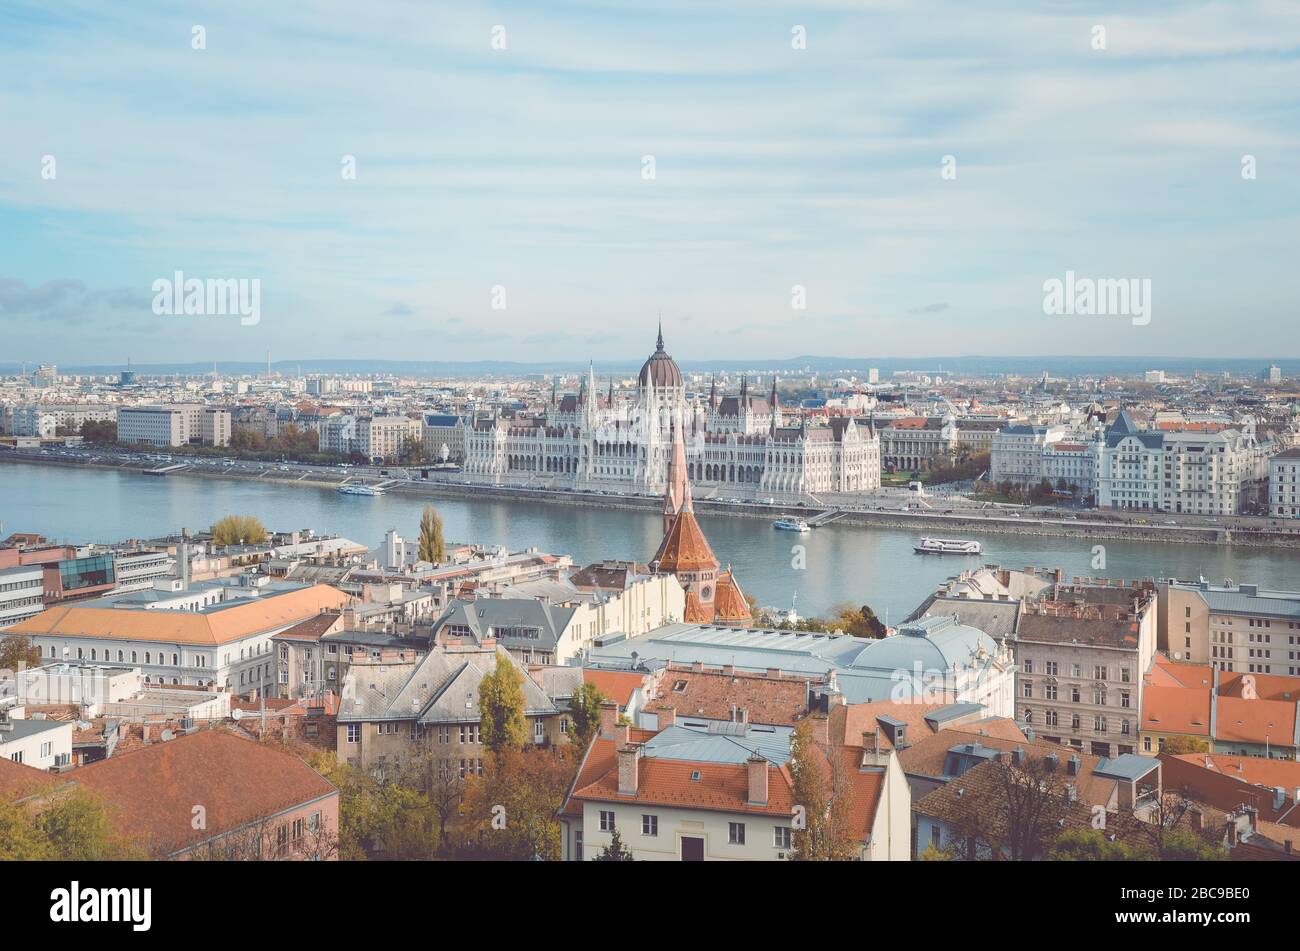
(20, 841)
(377, 819)
(501, 707)
(99, 432)
(432, 548)
(77, 828)
(616, 851)
(823, 795)
(17, 651)
(238, 530)
(586, 715)
(1180, 745)
(1092, 845)
(511, 811)
(860, 622)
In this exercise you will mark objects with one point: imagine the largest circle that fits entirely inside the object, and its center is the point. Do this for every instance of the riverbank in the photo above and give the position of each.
(923, 522)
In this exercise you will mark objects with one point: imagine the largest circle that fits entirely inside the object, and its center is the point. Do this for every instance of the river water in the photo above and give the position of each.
(840, 562)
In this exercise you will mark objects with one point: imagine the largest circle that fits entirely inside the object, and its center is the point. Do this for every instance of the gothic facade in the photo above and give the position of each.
(733, 444)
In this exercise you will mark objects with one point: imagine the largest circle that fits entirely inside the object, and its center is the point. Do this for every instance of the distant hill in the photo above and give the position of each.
(1056, 366)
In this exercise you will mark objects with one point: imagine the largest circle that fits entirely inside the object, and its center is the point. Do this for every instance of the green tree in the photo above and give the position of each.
(616, 851)
(432, 547)
(932, 853)
(501, 707)
(238, 530)
(586, 715)
(20, 841)
(1184, 845)
(99, 433)
(77, 828)
(1092, 845)
(18, 651)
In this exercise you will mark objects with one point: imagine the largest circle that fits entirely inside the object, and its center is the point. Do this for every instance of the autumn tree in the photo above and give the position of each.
(1092, 845)
(432, 547)
(238, 530)
(17, 651)
(1180, 745)
(511, 811)
(501, 707)
(77, 828)
(823, 796)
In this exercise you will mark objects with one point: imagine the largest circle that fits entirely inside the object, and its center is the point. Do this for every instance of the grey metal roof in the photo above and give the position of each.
(494, 617)
(22, 729)
(714, 743)
(1234, 602)
(1129, 766)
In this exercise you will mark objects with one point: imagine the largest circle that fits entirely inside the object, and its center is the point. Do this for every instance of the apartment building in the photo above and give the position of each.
(384, 437)
(46, 419)
(1081, 651)
(697, 792)
(138, 570)
(444, 430)
(1017, 453)
(1222, 712)
(392, 713)
(551, 622)
(1284, 484)
(1239, 627)
(22, 593)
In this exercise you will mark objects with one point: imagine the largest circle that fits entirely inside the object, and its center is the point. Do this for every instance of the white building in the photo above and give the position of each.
(737, 443)
(1284, 484)
(1018, 453)
(22, 593)
(40, 744)
(177, 424)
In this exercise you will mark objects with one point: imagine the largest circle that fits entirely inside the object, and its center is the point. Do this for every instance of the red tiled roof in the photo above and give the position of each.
(152, 793)
(616, 685)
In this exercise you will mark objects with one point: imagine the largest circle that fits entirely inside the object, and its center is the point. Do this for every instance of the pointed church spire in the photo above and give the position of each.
(659, 344)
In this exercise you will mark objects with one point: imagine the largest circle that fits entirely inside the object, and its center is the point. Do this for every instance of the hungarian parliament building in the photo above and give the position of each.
(738, 444)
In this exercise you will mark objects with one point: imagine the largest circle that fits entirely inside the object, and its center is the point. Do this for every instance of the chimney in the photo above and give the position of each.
(608, 719)
(1018, 756)
(1072, 765)
(629, 756)
(667, 717)
(757, 769)
(144, 733)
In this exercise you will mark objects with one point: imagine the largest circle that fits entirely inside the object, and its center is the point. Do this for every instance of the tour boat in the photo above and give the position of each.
(787, 524)
(948, 546)
(360, 490)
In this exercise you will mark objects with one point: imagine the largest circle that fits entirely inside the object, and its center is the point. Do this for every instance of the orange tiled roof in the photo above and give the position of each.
(1256, 721)
(684, 547)
(185, 627)
(617, 685)
(729, 604)
(152, 793)
(1181, 710)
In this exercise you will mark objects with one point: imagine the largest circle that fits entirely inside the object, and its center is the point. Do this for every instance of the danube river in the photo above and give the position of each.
(842, 562)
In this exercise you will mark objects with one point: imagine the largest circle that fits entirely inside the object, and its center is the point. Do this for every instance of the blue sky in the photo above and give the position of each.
(522, 167)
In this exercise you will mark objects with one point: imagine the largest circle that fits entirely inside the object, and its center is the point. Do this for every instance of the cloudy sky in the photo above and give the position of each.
(525, 169)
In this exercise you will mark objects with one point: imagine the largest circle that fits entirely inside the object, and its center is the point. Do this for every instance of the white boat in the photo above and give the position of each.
(948, 546)
(787, 524)
(360, 490)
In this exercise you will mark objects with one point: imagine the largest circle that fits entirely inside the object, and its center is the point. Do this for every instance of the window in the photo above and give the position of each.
(1029, 689)
(354, 732)
(781, 837)
(539, 730)
(606, 820)
(649, 825)
(736, 833)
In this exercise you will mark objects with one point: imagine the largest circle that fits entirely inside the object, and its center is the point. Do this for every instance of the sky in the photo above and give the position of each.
(833, 177)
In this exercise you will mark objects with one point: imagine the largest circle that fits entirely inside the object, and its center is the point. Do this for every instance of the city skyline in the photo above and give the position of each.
(791, 149)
